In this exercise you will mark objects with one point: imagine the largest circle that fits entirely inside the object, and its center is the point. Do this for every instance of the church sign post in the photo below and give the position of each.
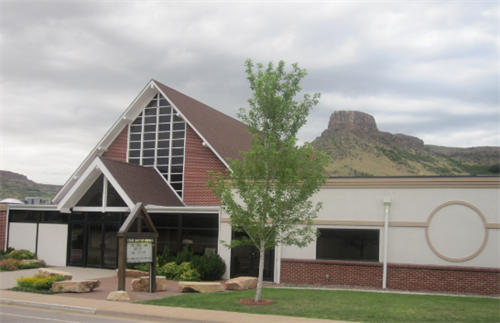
(137, 247)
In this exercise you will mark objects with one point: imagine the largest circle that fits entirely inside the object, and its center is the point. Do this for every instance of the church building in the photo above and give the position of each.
(412, 233)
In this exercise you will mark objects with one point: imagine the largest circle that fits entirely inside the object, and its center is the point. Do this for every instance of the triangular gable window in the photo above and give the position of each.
(93, 196)
(157, 139)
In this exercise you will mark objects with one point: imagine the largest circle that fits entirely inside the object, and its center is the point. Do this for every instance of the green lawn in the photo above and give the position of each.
(347, 305)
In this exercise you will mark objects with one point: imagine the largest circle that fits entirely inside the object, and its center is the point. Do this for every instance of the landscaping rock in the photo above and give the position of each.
(203, 287)
(142, 284)
(134, 273)
(51, 272)
(75, 286)
(118, 296)
(241, 283)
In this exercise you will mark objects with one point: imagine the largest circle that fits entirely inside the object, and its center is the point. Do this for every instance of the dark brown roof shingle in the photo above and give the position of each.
(225, 134)
(142, 184)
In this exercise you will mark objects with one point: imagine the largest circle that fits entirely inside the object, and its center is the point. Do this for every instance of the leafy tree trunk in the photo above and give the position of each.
(261, 270)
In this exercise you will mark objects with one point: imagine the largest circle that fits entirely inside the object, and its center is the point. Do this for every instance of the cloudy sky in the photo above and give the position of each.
(69, 69)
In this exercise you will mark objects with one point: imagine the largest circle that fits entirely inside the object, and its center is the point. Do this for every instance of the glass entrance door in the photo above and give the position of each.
(245, 261)
(102, 248)
(77, 233)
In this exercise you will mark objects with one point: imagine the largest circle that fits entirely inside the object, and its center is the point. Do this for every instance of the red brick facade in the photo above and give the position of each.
(118, 149)
(3, 225)
(198, 160)
(483, 281)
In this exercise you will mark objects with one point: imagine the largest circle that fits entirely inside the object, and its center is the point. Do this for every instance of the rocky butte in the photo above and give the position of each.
(358, 148)
(363, 125)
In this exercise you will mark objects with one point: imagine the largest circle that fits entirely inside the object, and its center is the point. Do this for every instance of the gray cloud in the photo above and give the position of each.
(69, 69)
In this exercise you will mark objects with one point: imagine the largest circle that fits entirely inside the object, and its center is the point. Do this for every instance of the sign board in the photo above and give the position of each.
(140, 250)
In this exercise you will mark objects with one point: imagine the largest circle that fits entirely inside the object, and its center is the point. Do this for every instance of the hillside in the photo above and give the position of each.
(18, 186)
(358, 148)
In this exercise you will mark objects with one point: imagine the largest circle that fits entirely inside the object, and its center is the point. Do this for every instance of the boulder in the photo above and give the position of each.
(75, 286)
(51, 272)
(134, 273)
(202, 287)
(142, 284)
(118, 296)
(241, 283)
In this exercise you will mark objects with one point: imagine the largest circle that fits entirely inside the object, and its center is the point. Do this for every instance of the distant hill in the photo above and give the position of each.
(358, 148)
(18, 186)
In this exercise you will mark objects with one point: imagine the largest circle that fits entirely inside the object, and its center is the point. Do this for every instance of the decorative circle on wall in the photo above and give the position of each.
(456, 231)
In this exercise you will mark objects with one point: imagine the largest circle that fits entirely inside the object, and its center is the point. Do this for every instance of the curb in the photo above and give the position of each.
(134, 316)
(77, 309)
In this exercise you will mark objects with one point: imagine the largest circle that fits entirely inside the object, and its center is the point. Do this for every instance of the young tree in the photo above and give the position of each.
(267, 192)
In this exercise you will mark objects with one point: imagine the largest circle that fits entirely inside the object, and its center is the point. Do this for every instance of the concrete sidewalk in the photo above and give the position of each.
(95, 302)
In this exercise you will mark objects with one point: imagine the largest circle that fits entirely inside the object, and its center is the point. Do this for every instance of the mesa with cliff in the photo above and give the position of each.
(358, 148)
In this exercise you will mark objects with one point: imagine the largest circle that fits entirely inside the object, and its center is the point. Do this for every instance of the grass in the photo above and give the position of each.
(352, 306)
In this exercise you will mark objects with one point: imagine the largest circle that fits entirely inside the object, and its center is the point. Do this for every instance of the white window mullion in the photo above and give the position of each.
(104, 194)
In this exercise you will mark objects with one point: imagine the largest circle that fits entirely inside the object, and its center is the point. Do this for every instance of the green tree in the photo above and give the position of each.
(267, 191)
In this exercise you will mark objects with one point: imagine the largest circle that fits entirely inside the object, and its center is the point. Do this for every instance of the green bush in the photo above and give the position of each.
(210, 267)
(37, 282)
(184, 272)
(21, 255)
(165, 258)
(495, 169)
(40, 264)
(186, 255)
(4, 253)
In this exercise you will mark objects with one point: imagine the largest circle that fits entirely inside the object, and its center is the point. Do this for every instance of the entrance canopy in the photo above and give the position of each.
(132, 183)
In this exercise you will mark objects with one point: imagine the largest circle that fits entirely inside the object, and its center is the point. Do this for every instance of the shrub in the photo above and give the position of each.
(39, 264)
(9, 264)
(4, 253)
(21, 254)
(165, 258)
(495, 169)
(186, 255)
(37, 282)
(184, 272)
(210, 267)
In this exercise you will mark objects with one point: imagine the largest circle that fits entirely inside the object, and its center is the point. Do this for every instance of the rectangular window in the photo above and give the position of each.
(348, 244)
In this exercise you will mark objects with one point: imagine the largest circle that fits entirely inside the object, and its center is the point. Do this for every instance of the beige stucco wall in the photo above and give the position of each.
(455, 231)
(52, 242)
(22, 236)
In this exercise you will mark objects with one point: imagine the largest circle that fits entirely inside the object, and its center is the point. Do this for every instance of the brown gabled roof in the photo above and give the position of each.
(226, 135)
(142, 184)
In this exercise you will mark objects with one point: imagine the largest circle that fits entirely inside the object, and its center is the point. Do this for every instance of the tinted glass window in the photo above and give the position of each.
(164, 135)
(164, 220)
(149, 144)
(23, 216)
(93, 196)
(179, 126)
(348, 244)
(54, 217)
(165, 110)
(209, 221)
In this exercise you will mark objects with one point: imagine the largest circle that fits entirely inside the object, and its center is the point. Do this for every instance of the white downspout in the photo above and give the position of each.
(277, 267)
(387, 203)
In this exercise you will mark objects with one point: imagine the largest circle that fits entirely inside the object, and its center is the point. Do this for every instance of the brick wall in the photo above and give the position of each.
(3, 225)
(118, 149)
(198, 160)
(298, 271)
(453, 279)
